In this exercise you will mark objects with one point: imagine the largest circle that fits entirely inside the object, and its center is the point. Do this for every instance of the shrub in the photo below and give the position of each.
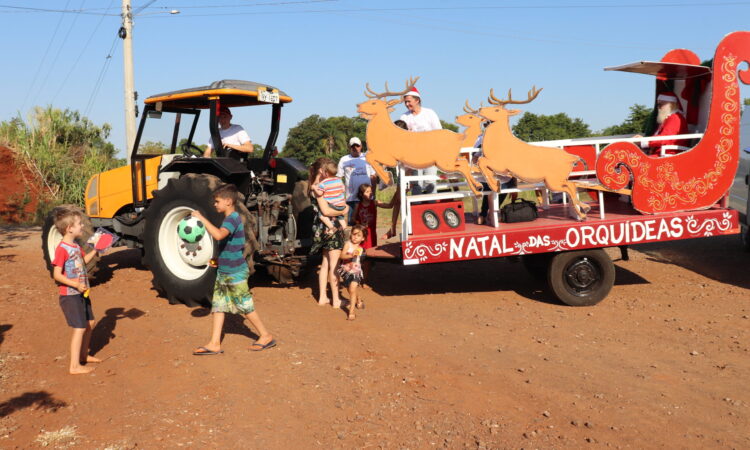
(62, 150)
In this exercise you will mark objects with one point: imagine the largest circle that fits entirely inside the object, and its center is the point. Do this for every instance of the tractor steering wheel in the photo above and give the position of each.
(190, 149)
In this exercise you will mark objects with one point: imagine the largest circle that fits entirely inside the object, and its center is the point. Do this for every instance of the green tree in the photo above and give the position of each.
(539, 127)
(152, 148)
(317, 136)
(636, 122)
(449, 126)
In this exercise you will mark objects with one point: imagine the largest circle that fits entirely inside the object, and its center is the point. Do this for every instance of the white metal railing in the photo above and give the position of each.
(597, 142)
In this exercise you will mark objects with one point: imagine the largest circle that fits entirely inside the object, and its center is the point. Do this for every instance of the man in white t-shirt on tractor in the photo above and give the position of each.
(418, 118)
(233, 137)
(355, 171)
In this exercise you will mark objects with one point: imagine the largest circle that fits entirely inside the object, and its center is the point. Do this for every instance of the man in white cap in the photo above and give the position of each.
(671, 122)
(355, 171)
(418, 118)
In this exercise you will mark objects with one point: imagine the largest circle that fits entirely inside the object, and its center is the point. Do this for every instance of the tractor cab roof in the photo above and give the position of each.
(230, 92)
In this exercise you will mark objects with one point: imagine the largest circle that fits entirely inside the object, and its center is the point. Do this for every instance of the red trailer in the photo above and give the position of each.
(636, 198)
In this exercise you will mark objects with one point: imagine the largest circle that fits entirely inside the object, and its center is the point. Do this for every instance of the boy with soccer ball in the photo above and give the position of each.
(231, 292)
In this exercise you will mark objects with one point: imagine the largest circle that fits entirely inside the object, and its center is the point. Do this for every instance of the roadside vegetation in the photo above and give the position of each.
(61, 150)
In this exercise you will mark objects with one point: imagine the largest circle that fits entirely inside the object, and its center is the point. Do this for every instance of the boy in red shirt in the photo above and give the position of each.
(69, 271)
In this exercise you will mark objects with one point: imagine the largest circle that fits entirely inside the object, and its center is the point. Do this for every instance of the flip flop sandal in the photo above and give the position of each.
(262, 347)
(204, 351)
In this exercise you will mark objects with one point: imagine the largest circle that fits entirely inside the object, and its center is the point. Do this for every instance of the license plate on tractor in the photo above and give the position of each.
(268, 96)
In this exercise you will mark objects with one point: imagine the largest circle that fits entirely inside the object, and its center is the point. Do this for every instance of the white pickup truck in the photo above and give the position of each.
(739, 195)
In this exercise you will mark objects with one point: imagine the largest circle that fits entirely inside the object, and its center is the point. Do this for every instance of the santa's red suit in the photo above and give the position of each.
(672, 125)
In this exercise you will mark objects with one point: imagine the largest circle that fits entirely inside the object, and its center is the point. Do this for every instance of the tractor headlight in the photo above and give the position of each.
(93, 187)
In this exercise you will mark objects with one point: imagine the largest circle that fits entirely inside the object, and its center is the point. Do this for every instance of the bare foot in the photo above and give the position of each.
(91, 359)
(351, 315)
(323, 302)
(336, 304)
(81, 370)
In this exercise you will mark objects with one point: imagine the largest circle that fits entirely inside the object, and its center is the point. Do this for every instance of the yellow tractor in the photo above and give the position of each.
(145, 202)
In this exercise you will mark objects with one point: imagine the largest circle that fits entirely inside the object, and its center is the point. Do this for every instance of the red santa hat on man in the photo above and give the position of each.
(668, 97)
(413, 92)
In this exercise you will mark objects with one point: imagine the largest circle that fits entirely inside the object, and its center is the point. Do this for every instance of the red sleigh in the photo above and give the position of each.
(701, 176)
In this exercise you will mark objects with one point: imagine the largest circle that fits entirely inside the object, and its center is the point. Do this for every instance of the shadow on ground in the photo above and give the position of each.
(488, 275)
(104, 331)
(3, 329)
(39, 399)
(720, 258)
(122, 259)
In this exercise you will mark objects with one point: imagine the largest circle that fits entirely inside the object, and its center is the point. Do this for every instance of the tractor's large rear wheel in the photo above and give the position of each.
(51, 238)
(181, 271)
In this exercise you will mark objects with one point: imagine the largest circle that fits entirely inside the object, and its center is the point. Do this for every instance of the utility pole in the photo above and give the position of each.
(126, 33)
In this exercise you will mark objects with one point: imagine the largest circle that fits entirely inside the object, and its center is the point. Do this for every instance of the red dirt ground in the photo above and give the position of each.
(15, 182)
(463, 355)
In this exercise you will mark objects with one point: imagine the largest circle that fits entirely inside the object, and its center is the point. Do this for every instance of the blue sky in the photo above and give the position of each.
(322, 52)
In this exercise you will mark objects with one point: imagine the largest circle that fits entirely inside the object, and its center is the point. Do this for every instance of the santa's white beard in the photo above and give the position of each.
(664, 112)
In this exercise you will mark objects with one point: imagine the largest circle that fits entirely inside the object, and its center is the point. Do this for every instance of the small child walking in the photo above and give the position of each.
(333, 191)
(69, 271)
(350, 269)
(231, 292)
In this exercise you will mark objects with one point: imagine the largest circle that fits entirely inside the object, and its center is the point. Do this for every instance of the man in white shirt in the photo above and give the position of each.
(355, 171)
(233, 137)
(418, 118)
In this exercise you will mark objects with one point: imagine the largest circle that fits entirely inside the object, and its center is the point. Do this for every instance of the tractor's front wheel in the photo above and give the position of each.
(180, 269)
(51, 238)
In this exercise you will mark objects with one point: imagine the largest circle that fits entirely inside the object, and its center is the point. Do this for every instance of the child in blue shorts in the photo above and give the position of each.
(69, 271)
(231, 292)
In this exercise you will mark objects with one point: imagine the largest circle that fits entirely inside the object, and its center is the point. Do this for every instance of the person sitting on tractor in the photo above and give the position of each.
(233, 137)
(671, 122)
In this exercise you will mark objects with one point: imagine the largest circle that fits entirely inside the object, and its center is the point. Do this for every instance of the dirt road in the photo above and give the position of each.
(461, 355)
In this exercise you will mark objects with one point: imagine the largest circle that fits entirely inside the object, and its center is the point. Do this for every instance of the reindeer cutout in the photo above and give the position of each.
(388, 144)
(505, 154)
(473, 123)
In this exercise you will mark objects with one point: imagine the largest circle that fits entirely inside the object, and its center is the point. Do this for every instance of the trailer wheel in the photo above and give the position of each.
(581, 278)
(180, 273)
(51, 238)
(537, 264)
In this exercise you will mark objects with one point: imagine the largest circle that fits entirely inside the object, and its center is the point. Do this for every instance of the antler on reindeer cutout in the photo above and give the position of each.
(388, 144)
(505, 154)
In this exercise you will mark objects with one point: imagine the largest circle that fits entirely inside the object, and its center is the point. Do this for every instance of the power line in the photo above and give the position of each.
(44, 58)
(433, 8)
(100, 78)
(83, 50)
(57, 55)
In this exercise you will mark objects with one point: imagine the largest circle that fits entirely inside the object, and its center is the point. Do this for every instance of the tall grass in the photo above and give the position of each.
(62, 150)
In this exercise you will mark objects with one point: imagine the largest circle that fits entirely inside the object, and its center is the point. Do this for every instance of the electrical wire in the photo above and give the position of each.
(59, 51)
(427, 8)
(83, 50)
(44, 58)
(100, 78)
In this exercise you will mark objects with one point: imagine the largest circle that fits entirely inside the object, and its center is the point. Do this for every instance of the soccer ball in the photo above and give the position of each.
(191, 229)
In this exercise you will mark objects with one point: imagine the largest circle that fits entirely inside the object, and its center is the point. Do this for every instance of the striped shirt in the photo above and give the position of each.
(333, 191)
(231, 259)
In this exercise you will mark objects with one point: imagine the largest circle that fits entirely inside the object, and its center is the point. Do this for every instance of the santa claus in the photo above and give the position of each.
(671, 122)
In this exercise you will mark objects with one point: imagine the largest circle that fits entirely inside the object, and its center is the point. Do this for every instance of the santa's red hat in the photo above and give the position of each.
(413, 92)
(667, 97)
